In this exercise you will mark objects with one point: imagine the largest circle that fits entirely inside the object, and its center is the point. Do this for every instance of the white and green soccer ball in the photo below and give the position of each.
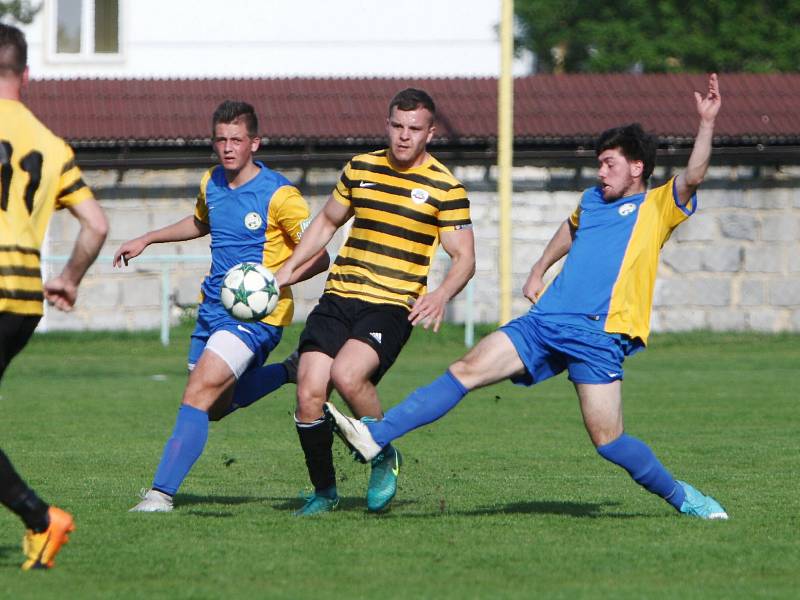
(249, 291)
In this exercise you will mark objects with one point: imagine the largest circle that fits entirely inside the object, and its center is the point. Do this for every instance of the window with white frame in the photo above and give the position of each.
(85, 29)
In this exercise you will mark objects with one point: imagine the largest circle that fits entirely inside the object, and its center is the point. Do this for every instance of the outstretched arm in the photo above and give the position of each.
(429, 308)
(557, 247)
(62, 291)
(315, 265)
(707, 108)
(188, 228)
(332, 216)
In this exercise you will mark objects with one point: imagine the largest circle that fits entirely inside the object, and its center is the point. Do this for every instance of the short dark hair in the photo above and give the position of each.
(633, 143)
(412, 99)
(235, 110)
(13, 50)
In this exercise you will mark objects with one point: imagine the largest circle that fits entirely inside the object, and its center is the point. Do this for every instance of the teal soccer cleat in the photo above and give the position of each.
(697, 504)
(383, 479)
(318, 503)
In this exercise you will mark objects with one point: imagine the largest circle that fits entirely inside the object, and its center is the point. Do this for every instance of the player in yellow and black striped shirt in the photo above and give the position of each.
(37, 176)
(403, 203)
(398, 220)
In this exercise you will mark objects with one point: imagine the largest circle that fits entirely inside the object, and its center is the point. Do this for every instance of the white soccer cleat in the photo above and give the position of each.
(153, 501)
(353, 433)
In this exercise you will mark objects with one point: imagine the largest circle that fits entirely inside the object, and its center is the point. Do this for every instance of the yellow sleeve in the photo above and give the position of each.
(201, 208)
(289, 211)
(575, 217)
(72, 189)
(672, 213)
(341, 193)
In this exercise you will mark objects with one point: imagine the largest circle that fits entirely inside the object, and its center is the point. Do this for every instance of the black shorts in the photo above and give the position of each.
(336, 319)
(15, 331)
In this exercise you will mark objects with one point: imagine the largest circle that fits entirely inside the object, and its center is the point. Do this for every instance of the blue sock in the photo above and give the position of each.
(422, 406)
(638, 460)
(255, 384)
(182, 449)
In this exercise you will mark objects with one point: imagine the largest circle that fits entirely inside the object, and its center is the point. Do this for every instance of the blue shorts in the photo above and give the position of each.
(212, 317)
(548, 348)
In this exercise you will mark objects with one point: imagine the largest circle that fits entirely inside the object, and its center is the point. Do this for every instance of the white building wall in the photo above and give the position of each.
(277, 38)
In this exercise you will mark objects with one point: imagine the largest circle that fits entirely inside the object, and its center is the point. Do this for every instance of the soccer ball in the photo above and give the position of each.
(249, 291)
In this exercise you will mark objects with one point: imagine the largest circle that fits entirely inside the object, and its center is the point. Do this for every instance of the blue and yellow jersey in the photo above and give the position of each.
(38, 175)
(609, 274)
(261, 221)
(398, 218)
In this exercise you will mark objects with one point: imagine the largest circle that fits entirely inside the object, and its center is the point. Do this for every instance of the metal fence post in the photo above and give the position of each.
(469, 315)
(165, 304)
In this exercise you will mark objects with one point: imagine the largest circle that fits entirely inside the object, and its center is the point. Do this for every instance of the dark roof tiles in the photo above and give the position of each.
(549, 108)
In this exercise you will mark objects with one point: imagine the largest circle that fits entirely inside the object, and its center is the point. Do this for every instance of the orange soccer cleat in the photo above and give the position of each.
(41, 548)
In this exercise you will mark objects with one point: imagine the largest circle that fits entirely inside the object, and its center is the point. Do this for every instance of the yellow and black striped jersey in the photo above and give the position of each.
(398, 218)
(37, 176)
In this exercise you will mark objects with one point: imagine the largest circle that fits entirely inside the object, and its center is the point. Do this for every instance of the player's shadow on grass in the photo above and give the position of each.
(572, 509)
(195, 499)
(590, 510)
(190, 500)
(346, 503)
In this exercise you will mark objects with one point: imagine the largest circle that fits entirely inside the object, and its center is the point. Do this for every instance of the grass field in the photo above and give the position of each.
(504, 498)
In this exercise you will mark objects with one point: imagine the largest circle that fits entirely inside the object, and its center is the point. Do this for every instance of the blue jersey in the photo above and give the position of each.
(608, 277)
(260, 221)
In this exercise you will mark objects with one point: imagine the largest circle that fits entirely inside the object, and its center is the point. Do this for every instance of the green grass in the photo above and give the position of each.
(504, 498)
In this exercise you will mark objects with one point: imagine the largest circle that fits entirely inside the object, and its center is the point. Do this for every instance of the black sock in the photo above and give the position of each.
(20, 499)
(317, 441)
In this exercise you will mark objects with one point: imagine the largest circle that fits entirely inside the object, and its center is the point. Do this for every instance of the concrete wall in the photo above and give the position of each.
(735, 265)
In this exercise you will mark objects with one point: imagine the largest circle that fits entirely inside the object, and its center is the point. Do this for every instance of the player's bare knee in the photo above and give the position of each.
(202, 393)
(196, 388)
(466, 370)
(347, 382)
(309, 404)
(307, 414)
(198, 402)
(601, 436)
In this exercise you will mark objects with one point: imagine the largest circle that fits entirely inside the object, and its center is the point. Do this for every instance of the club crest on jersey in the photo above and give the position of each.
(419, 196)
(627, 209)
(252, 221)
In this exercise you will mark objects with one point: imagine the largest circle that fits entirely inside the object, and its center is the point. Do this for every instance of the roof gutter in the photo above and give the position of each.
(124, 157)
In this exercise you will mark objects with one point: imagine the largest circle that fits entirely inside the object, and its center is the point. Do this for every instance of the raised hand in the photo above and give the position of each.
(708, 106)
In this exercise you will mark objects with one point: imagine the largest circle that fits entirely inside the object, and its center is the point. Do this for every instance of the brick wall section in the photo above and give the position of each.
(735, 265)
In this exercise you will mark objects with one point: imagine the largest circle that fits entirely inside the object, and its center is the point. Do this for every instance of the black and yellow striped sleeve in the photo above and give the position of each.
(72, 189)
(342, 193)
(454, 210)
